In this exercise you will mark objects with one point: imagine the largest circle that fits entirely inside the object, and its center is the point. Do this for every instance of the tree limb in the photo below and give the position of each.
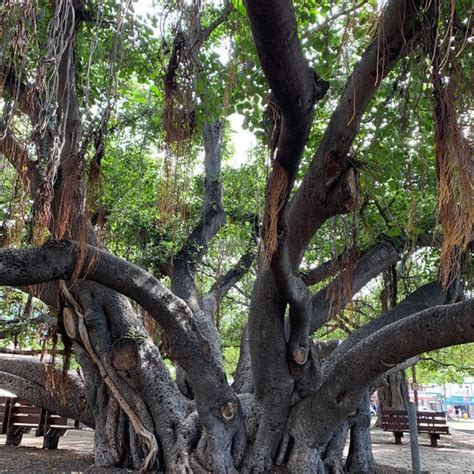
(19, 157)
(212, 219)
(468, 368)
(58, 259)
(371, 264)
(316, 416)
(424, 331)
(222, 285)
(324, 270)
(294, 85)
(322, 192)
(337, 15)
(18, 91)
(422, 298)
(42, 318)
(28, 377)
(206, 32)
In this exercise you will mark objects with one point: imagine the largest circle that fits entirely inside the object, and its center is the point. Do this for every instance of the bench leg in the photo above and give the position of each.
(14, 437)
(398, 437)
(434, 440)
(51, 440)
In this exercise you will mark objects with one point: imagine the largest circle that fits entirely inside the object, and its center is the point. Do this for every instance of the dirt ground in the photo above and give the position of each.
(455, 454)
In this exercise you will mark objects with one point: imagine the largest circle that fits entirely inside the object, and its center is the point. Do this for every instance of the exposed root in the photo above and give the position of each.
(187, 437)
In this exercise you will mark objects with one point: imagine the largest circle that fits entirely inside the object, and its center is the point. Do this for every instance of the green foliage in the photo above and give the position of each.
(121, 70)
(449, 365)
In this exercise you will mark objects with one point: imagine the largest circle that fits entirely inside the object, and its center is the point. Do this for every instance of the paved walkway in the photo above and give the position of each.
(455, 453)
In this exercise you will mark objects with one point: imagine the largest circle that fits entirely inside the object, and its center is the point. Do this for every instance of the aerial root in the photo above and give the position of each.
(147, 436)
(277, 193)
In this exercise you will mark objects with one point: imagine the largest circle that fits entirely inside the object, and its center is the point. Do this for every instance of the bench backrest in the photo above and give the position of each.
(24, 413)
(16, 411)
(54, 420)
(425, 420)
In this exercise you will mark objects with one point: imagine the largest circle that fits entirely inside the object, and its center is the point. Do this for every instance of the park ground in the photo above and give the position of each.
(455, 453)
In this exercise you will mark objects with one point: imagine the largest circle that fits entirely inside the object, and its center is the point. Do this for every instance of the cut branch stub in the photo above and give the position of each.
(70, 322)
(300, 355)
(228, 410)
(125, 354)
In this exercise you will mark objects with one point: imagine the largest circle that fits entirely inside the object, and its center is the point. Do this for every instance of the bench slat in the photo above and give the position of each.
(56, 420)
(20, 416)
(432, 423)
(19, 419)
(20, 410)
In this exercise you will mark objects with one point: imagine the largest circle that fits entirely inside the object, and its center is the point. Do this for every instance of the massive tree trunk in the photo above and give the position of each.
(293, 401)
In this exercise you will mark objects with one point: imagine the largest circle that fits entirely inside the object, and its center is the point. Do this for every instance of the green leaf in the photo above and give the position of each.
(395, 232)
(240, 7)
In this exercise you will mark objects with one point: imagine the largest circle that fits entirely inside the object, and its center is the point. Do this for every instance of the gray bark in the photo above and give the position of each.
(360, 457)
(299, 393)
(27, 377)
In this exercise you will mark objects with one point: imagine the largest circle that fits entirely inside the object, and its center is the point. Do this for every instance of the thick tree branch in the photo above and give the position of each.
(296, 294)
(422, 298)
(424, 331)
(372, 263)
(212, 219)
(28, 377)
(294, 85)
(58, 259)
(320, 195)
(324, 270)
(18, 91)
(316, 416)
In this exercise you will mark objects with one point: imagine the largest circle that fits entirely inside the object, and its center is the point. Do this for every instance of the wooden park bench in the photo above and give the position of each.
(18, 416)
(430, 422)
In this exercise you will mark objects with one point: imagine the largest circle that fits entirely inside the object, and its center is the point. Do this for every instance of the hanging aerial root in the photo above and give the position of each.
(140, 430)
(455, 187)
(276, 197)
(340, 290)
